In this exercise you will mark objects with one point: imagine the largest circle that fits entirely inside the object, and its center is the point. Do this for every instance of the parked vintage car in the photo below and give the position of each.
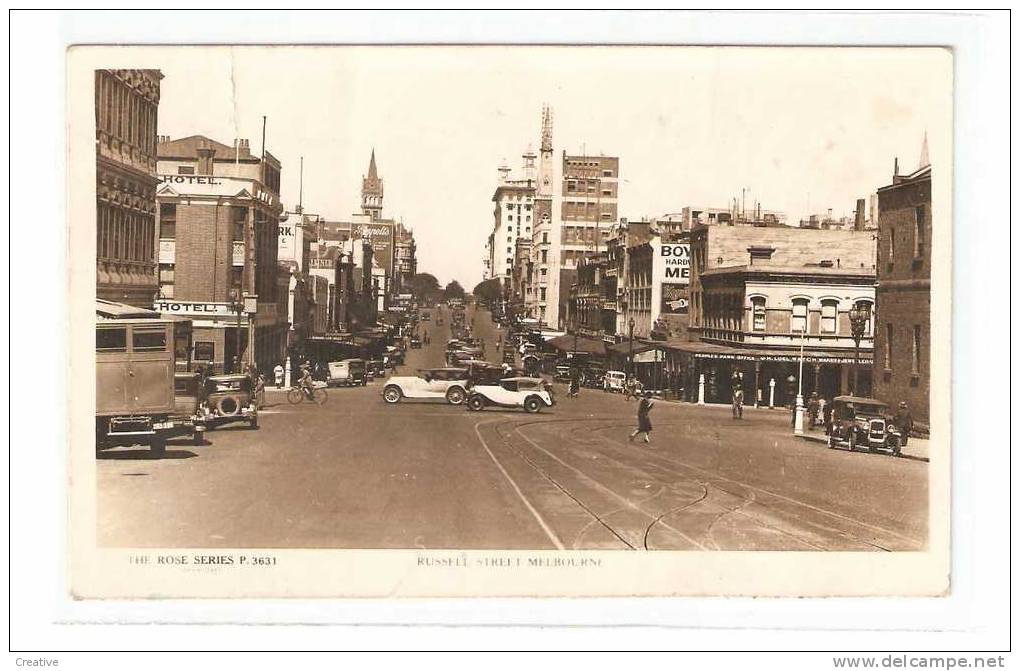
(863, 422)
(415, 342)
(530, 393)
(563, 373)
(394, 354)
(348, 373)
(593, 377)
(614, 380)
(484, 373)
(450, 384)
(375, 368)
(229, 398)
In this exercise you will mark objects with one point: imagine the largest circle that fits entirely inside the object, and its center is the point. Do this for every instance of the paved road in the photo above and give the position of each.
(357, 473)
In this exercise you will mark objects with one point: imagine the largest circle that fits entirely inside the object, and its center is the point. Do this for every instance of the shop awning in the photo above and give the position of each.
(624, 347)
(569, 343)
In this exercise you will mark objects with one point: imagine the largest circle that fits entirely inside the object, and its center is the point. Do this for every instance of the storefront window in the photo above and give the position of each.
(798, 321)
(204, 351)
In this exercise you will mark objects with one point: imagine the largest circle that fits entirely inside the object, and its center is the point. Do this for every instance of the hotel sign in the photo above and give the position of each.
(193, 309)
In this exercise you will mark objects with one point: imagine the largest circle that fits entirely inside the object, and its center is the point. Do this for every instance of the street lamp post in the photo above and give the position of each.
(859, 317)
(798, 419)
(236, 306)
(630, 365)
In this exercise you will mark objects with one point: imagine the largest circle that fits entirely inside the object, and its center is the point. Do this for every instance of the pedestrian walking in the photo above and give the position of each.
(812, 410)
(260, 391)
(644, 423)
(738, 403)
(278, 375)
(903, 421)
(827, 417)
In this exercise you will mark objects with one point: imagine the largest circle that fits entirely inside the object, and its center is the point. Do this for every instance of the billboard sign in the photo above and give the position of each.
(674, 299)
(380, 235)
(674, 263)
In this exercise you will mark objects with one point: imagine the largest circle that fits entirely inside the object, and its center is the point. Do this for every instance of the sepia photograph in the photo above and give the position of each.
(513, 309)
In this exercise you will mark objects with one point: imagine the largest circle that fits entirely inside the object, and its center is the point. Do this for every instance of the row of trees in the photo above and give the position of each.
(425, 288)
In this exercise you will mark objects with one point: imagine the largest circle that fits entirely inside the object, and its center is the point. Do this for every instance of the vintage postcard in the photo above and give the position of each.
(509, 321)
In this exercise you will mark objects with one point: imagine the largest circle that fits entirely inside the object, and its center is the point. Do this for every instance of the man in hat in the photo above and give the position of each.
(903, 421)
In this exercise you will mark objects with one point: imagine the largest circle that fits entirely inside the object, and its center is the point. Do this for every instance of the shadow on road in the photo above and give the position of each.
(144, 453)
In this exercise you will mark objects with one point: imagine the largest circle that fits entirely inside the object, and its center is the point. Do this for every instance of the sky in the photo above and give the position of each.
(802, 130)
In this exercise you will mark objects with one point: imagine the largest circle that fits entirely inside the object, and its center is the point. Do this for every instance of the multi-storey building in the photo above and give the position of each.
(903, 335)
(513, 216)
(405, 263)
(760, 294)
(127, 102)
(219, 210)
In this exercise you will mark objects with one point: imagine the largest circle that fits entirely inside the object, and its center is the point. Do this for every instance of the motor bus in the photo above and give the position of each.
(145, 389)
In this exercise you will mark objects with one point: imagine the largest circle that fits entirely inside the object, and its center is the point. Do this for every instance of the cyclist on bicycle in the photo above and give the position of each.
(305, 382)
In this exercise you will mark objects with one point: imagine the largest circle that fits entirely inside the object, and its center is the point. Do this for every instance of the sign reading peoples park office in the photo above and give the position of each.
(674, 263)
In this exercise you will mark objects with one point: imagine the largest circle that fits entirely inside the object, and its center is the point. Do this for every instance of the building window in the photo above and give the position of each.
(509, 217)
(829, 311)
(915, 359)
(167, 221)
(919, 231)
(541, 293)
(185, 170)
(239, 217)
(758, 313)
(166, 273)
(236, 275)
(607, 173)
(545, 238)
(204, 350)
(888, 346)
(892, 244)
(798, 322)
(111, 339)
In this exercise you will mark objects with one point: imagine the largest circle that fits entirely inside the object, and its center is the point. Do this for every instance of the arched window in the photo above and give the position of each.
(758, 313)
(830, 310)
(798, 320)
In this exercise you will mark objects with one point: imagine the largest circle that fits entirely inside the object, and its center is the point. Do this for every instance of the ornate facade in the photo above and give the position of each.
(127, 102)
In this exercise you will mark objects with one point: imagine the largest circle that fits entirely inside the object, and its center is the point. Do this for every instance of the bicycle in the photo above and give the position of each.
(298, 394)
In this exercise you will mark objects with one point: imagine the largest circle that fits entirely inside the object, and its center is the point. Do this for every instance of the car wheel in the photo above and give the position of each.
(532, 404)
(476, 403)
(392, 394)
(455, 395)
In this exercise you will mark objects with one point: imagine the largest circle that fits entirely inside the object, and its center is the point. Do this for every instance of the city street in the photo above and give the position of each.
(357, 473)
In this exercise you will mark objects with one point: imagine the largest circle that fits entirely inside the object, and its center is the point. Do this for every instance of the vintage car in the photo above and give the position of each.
(229, 398)
(457, 357)
(593, 377)
(863, 422)
(394, 354)
(508, 357)
(532, 364)
(425, 316)
(449, 384)
(530, 393)
(415, 342)
(483, 372)
(349, 373)
(563, 373)
(614, 380)
(375, 368)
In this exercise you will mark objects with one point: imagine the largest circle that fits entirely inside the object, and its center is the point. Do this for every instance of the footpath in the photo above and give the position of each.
(916, 448)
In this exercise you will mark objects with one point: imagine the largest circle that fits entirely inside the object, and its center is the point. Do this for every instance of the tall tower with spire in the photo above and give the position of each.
(545, 157)
(372, 191)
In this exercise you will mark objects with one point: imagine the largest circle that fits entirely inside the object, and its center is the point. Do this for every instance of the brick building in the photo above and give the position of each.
(757, 294)
(903, 334)
(219, 211)
(127, 103)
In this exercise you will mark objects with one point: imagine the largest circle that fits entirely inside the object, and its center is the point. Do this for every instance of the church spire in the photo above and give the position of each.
(372, 191)
(372, 172)
(924, 162)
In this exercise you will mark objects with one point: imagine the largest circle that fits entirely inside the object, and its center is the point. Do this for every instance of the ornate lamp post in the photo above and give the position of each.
(860, 315)
(630, 365)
